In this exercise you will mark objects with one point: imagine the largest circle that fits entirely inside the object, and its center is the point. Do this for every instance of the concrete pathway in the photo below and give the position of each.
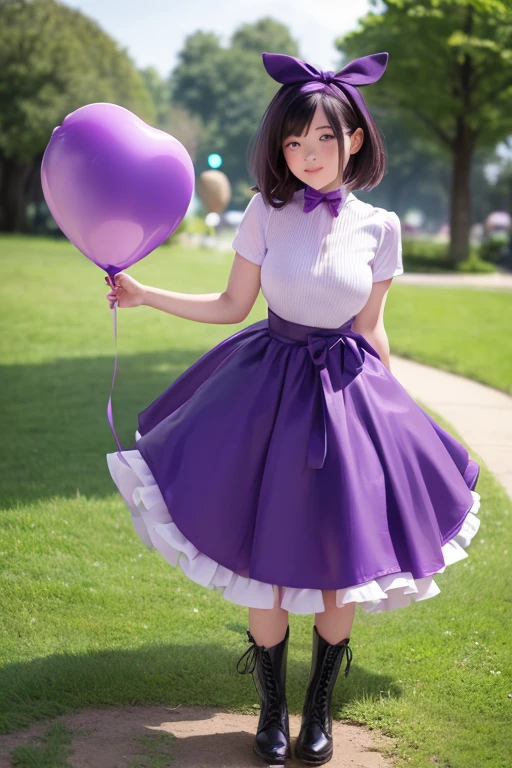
(480, 414)
(501, 281)
(190, 737)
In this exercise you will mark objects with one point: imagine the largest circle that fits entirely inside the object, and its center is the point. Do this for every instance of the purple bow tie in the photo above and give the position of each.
(312, 198)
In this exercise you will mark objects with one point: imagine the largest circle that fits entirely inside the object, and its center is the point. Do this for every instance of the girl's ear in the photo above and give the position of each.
(356, 140)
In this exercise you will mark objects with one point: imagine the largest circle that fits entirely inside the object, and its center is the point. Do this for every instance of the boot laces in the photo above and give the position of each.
(252, 654)
(320, 699)
(273, 714)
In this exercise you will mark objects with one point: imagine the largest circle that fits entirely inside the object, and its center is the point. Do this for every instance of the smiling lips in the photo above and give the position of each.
(309, 170)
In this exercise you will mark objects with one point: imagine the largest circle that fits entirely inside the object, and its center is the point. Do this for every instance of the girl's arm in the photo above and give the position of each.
(369, 322)
(231, 306)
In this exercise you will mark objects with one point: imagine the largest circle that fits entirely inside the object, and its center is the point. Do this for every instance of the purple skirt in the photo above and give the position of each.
(288, 460)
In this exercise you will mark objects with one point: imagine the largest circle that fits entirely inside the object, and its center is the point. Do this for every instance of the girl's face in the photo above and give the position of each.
(313, 158)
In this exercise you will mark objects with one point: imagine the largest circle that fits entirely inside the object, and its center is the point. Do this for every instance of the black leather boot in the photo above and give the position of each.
(314, 745)
(268, 665)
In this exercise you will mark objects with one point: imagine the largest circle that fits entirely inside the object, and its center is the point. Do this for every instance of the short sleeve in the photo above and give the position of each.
(250, 240)
(387, 261)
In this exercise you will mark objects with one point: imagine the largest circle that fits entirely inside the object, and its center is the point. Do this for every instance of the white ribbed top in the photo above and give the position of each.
(317, 269)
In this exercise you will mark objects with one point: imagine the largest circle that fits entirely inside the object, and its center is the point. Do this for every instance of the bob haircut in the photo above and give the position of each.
(288, 113)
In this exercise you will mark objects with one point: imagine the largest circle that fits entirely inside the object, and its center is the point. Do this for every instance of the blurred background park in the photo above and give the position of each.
(89, 618)
(444, 104)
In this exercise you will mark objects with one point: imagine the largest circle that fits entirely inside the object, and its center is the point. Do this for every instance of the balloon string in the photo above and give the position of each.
(110, 415)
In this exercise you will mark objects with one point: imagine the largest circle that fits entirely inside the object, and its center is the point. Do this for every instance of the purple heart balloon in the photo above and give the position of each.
(115, 186)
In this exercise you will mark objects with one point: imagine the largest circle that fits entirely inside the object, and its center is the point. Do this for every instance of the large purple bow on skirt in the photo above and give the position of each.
(353, 359)
(319, 343)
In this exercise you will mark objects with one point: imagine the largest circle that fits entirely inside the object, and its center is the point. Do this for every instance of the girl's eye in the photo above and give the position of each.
(329, 135)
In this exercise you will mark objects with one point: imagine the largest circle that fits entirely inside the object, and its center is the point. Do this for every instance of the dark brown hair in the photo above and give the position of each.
(287, 114)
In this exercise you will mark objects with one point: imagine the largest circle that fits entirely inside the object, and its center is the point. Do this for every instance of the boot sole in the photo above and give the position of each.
(274, 761)
(312, 760)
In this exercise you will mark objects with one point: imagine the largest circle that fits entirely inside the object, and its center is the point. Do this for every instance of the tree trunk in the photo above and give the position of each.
(460, 194)
(13, 195)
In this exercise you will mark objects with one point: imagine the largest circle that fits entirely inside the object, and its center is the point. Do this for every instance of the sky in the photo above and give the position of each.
(153, 31)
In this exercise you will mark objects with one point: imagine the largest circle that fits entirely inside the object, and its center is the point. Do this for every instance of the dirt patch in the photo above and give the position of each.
(185, 737)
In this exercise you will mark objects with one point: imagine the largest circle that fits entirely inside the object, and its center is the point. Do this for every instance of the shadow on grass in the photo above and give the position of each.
(159, 674)
(54, 421)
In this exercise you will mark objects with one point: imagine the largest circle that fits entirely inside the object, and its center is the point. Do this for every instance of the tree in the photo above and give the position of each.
(416, 173)
(158, 88)
(53, 60)
(229, 89)
(449, 77)
(173, 118)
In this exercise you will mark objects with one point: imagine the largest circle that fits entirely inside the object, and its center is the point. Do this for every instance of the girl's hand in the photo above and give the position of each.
(127, 292)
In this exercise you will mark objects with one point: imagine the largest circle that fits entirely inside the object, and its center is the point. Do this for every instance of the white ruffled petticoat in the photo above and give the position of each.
(154, 525)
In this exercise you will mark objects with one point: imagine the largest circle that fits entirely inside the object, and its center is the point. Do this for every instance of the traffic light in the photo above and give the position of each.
(214, 161)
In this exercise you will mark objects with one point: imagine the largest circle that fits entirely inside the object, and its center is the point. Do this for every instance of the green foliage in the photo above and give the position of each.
(475, 263)
(449, 60)
(422, 255)
(159, 92)
(492, 247)
(189, 225)
(229, 89)
(54, 60)
(195, 225)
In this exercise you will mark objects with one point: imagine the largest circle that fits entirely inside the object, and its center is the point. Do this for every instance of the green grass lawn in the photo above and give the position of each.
(90, 617)
(462, 330)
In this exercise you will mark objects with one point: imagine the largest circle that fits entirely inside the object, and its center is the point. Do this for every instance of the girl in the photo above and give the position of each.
(287, 468)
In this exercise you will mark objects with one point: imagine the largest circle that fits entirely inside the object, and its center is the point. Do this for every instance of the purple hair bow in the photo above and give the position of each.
(368, 69)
